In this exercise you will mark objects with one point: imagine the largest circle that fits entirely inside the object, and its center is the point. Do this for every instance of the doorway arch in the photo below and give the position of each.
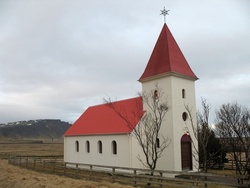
(186, 152)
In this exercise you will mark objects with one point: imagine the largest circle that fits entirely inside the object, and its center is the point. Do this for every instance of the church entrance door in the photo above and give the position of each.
(186, 152)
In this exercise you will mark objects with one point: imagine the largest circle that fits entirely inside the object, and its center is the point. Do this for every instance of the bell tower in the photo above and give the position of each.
(168, 69)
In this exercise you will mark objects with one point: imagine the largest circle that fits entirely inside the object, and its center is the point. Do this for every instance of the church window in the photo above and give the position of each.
(99, 146)
(87, 146)
(77, 146)
(183, 92)
(157, 142)
(114, 147)
(184, 116)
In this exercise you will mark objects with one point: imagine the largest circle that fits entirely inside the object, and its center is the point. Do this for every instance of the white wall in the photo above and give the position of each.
(180, 125)
(136, 152)
(174, 127)
(122, 159)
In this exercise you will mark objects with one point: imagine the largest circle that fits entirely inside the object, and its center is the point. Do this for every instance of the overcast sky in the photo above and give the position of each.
(57, 57)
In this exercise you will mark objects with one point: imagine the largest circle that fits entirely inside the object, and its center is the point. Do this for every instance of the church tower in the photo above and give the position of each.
(168, 69)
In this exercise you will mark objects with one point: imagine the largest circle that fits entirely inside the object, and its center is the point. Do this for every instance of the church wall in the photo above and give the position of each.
(181, 127)
(166, 162)
(136, 151)
(122, 158)
(174, 126)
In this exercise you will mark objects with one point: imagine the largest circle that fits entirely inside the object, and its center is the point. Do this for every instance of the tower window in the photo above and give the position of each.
(183, 92)
(114, 147)
(77, 146)
(157, 142)
(184, 116)
(99, 146)
(87, 146)
(155, 94)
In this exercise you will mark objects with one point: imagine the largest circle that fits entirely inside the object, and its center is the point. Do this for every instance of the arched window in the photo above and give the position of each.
(114, 147)
(157, 142)
(87, 146)
(99, 146)
(183, 93)
(77, 146)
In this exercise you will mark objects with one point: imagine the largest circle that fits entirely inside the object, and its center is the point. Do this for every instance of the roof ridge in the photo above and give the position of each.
(114, 101)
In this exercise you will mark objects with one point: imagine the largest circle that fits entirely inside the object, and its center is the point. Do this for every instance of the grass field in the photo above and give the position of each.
(30, 148)
(16, 177)
(13, 176)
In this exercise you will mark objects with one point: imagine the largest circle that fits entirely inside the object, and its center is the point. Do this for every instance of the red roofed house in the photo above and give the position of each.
(102, 137)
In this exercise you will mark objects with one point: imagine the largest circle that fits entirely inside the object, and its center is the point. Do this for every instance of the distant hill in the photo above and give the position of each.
(42, 128)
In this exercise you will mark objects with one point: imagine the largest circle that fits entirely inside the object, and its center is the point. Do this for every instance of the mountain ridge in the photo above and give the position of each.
(40, 128)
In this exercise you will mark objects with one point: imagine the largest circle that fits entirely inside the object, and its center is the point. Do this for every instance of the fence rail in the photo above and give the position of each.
(231, 164)
(134, 176)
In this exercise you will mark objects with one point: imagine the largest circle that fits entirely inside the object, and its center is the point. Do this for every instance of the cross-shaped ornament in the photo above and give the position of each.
(164, 12)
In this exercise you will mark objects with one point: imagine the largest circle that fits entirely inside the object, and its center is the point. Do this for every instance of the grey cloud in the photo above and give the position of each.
(58, 57)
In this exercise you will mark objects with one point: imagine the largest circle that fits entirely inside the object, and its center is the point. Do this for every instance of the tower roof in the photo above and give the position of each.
(167, 58)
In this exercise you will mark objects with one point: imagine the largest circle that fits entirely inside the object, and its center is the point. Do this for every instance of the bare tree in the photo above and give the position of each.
(233, 126)
(147, 132)
(209, 148)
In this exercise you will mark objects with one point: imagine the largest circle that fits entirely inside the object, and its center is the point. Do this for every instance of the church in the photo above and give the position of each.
(100, 136)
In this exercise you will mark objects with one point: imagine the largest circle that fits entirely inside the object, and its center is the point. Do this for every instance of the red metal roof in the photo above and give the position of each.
(102, 119)
(167, 57)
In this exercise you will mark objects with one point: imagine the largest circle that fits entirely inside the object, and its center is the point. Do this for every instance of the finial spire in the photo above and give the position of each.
(164, 12)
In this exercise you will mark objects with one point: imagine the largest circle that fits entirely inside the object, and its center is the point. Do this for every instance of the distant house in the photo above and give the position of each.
(99, 136)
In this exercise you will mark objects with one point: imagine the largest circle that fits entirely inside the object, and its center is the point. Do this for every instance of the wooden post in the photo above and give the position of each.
(54, 165)
(135, 178)
(27, 162)
(43, 165)
(191, 178)
(34, 164)
(90, 172)
(76, 171)
(113, 175)
(64, 170)
(161, 174)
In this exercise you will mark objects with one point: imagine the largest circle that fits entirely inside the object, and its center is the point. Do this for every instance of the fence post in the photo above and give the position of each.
(135, 178)
(43, 165)
(113, 175)
(76, 171)
(64, 170)
(27, 159)
(161, 174)
(34, 164)
(54, 166)
(90, 172)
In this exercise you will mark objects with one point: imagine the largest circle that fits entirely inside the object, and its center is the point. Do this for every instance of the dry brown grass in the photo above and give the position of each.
(222, 172)
(15, 177)
(30, 148)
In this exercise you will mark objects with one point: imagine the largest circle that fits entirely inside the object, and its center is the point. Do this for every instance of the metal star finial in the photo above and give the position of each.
(164, 12)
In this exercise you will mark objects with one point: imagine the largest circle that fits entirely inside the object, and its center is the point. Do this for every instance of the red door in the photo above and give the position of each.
(186, 152)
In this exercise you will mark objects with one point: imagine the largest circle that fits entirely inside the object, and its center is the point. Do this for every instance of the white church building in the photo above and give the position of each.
(100, 136)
